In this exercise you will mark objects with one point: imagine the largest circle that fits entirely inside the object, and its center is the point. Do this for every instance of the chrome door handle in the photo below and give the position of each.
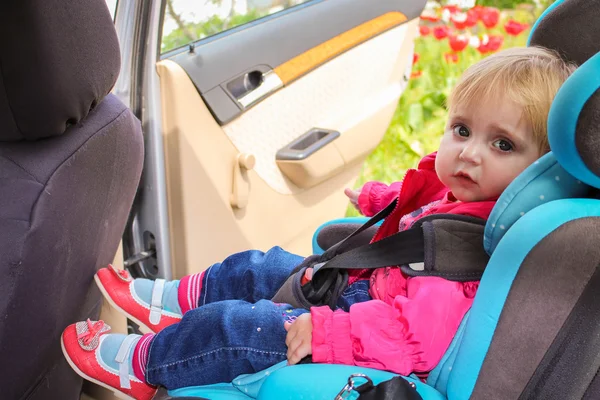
(270, 82)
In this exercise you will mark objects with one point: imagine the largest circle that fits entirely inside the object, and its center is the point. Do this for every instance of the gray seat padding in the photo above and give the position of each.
(70, 162)
(63, 207)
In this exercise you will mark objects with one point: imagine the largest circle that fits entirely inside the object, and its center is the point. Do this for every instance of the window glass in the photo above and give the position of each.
(190, 20)
(112, 7)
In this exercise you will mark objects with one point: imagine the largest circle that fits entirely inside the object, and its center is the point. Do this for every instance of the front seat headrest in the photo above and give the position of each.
(53, 73)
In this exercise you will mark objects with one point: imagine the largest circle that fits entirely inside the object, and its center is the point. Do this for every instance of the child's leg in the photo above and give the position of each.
(210, 345)
(358, 292)
(218, 342)
(250, 275)
(154, 304)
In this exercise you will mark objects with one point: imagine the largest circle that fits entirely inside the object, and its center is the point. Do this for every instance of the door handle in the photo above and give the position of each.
(254, 86)
(307, 144)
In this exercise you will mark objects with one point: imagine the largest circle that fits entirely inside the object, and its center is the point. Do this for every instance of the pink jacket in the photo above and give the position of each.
(411, 321)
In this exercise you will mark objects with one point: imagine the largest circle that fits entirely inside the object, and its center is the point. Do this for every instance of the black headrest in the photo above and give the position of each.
(58, 59)
(571, 28)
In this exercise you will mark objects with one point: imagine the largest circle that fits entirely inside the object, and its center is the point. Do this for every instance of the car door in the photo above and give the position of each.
(253, 132)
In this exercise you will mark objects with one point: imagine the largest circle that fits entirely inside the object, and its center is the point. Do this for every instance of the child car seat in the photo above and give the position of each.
(531, 327)
(70, 161)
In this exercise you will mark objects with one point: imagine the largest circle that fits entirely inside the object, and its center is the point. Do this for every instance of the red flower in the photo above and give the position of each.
(490, 17)
(415, 74)
(514, 28)
(458, 43)
(429, 16)
(441, 32)
(459, 20)
(451, 58)
(416, 57)
(472, 17)
(424, 30)
(452, 8)
(478, 11)
(493, 43)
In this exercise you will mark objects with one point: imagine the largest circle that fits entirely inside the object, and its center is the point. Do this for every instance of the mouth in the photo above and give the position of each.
(464, 177)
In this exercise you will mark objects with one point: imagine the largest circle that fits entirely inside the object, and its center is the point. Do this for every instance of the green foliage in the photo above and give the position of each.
(512, 4)
(504, 4)
(194, 31)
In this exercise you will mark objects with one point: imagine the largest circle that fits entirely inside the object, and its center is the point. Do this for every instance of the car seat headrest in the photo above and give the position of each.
(543, 181)
(58, 59)
(569, 27)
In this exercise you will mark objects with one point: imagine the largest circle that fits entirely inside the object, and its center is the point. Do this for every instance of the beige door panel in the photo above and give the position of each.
(202, 158)
(199, 162)
(361, 85)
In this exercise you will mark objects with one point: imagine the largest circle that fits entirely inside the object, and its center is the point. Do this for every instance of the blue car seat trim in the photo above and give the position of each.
(438, 377)
(218, 391)
(564, 114)
(537, 22)
(324, 381)
(244, 386)
(315, 381)
(543, 181)
(497, 280)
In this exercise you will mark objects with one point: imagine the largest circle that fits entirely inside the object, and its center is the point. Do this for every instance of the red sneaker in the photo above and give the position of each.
(118, 288)
(104, 359)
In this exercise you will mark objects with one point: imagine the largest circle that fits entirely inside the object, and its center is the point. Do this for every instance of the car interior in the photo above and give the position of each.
(239, 160)
(164, 160)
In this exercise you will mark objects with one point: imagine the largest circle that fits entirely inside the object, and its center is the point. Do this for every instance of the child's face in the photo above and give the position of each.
(484, 148)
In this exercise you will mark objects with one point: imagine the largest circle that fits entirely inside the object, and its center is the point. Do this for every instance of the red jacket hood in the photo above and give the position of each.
(428, 162)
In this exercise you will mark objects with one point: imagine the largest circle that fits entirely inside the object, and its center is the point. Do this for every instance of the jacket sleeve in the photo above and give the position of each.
(410, 335)
(375, 196)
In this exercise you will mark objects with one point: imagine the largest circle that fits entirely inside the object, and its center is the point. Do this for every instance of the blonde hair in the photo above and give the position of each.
(529, 76)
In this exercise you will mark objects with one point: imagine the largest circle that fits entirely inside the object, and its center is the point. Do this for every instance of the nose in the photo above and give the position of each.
(471, 153)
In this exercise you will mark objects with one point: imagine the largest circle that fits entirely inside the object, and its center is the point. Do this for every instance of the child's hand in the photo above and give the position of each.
(298, 339)
(353, 197)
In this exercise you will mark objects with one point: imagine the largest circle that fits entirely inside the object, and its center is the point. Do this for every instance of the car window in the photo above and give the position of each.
(188, 20)
(112, 7)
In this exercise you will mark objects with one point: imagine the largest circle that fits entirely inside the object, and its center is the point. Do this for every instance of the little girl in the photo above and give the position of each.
(213, 326)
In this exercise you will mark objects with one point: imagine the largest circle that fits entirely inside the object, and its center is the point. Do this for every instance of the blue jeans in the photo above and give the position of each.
(237, 329)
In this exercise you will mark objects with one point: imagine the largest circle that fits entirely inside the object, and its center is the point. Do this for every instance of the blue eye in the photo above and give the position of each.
(461, 131)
